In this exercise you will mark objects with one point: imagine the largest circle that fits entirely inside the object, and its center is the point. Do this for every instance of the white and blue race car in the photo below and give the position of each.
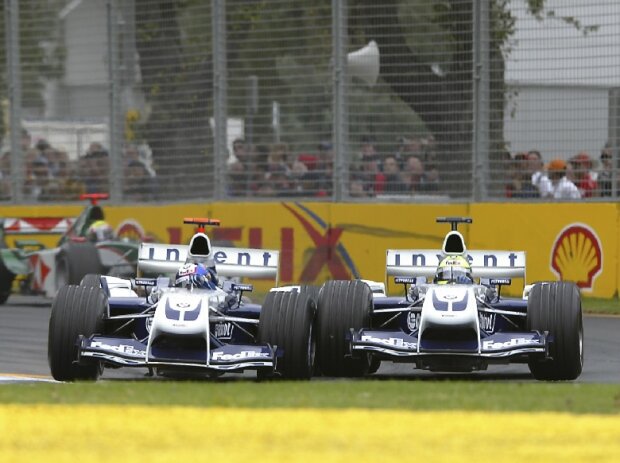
(147, 322)
(450, 327)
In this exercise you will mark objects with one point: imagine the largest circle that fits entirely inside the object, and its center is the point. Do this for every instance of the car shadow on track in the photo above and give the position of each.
(452, 377)
(251, 377)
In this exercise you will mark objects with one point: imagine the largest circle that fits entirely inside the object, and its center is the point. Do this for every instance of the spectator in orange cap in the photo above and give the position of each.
(562, 187)
(585, 179)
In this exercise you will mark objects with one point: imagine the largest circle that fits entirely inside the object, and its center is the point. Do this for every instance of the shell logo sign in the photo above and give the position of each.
(577, 255)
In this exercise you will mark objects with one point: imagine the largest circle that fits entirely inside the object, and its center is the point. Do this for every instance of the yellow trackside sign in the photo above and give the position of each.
(563, 241)
(320, 241)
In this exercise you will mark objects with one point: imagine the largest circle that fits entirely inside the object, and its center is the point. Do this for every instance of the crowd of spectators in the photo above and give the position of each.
(268, 171)
(577, 177)
(410, 170)
(265, 171)
(273, 171)
(50, 175)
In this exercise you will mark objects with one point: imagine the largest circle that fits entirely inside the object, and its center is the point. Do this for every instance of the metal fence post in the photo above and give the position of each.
(614, 137)
(13, 62)
(481, 100)
(114, 78)
(220, 118)
(340, 115)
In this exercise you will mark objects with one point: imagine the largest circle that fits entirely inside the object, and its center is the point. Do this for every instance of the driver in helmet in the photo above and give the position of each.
(99, 229)
(455, 270)
(196, 275)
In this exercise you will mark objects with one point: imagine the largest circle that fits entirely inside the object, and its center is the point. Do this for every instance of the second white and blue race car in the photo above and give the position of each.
(451, 327)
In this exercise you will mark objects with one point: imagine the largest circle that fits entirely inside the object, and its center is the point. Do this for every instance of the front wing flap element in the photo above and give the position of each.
(396, 343)
(129, 352)
(499, 345)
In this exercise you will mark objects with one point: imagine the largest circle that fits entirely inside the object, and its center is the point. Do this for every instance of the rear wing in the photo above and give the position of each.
(484, 264)
(36, 225)
(165, 259)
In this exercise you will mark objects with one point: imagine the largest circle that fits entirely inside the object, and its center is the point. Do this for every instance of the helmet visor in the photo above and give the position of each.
(453, 275)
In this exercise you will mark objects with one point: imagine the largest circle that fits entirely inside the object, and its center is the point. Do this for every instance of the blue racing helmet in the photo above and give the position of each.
(196, 276)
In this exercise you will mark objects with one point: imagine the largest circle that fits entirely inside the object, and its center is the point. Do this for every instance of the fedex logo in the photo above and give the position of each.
(514, 342)
(244, 354)
(122, 349)
(392, 342)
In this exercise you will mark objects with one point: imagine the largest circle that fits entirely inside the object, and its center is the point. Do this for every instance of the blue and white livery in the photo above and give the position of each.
(454, 327)
(192, 326)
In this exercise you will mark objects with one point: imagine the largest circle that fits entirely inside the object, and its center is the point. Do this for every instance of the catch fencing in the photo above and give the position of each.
(343, 100)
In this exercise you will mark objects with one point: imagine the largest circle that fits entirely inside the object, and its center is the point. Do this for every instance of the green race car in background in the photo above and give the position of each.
(44, 270)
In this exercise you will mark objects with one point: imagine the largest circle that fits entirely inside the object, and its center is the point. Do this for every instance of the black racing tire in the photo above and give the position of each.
(287, 321)
(91, 280)
(76, 310)
(6, 282)
(312, 291)
(94, 280)
(556, 307)
(342, 305)
(76, 260)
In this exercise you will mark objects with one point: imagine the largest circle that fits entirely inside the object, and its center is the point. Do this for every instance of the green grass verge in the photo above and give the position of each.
(601, 306)
(388, 394)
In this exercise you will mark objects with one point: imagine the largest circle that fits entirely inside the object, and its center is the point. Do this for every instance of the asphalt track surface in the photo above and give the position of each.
(23, 350)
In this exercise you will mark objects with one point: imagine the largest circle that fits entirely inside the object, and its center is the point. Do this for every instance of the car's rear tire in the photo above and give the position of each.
(76, 310)
(312, 291)
(556, 307)
(287, 321)
(74, 261)
(6, 282)
(92, 280)
(342, 305)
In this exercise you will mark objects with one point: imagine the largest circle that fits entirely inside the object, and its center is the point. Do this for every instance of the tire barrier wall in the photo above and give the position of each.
(320, 241)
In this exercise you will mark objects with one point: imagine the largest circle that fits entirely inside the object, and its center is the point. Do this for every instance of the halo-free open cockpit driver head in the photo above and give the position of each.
(454, 270)
(192, 275)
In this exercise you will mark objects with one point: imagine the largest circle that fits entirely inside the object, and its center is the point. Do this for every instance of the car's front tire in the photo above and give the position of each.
(287, 321)
(76, 310)
(74, 261)
(343, 305)
(556, 307)
(6, 282)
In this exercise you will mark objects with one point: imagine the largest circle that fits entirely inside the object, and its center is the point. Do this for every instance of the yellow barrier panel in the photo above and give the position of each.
(577, 242)
(320, 241)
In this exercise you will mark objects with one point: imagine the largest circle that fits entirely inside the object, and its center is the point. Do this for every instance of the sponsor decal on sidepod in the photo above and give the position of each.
(224, 330)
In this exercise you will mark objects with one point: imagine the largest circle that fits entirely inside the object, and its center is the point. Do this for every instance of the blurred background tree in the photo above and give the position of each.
(41, 53)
